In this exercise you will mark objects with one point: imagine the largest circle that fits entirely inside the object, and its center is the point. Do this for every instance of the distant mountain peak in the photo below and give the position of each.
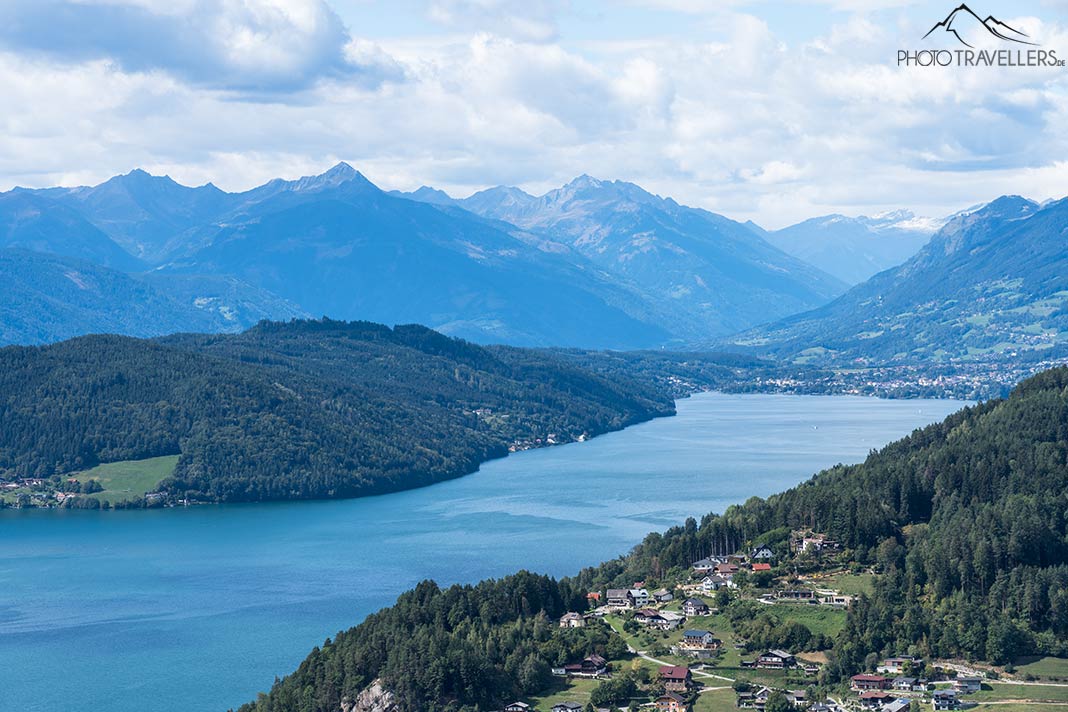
(338, 175)
(586, 181)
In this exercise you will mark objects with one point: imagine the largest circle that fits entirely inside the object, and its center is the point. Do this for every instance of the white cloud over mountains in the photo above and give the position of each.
(744, 122)
(247, 45)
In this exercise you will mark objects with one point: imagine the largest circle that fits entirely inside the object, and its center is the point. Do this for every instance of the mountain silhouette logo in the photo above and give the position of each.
(967, 27)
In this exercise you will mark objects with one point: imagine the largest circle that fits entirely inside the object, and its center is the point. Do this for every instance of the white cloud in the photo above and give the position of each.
(744, 124)
(530, 20)
(248, 45)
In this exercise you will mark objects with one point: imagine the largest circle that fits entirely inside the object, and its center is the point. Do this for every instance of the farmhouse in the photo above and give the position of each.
(572, 620)
(617, 597)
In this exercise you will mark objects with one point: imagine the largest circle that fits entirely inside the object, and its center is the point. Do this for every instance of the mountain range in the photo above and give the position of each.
(702, 273)
(855, 249)
(992, 283)
(595, 264)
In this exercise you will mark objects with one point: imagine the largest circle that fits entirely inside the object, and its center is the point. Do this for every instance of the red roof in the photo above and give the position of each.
(595, 596)
(674, 672)
(761, 567)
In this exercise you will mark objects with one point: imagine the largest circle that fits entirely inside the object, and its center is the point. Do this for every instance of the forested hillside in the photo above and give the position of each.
(965, 521)
(298, 410)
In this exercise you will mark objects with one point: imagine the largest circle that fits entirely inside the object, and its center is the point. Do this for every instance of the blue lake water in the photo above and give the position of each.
(197, 609)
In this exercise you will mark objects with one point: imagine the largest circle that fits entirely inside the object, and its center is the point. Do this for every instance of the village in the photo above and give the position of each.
(685, 655)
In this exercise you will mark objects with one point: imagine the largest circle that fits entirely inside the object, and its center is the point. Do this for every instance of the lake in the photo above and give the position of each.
(197, 609)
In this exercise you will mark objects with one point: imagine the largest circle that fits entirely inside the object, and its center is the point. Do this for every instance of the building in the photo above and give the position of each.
(762, 567)
(663, 620)
(874, 699)
(945, 700)
(695, 607)
(517, 707)
(899, 665)
(715, 582)
(617, 597)
(671, 702)
(572, 620)
(567, 707)
(706, 564)
(900, 704)
(776, 660)
(638, 597)
(967, 685)
(903, 684)
(762, 553)
(594, 665)
(725, 569)
(800, 594)
(676, 678)
(662, 595)
(870, 682)
(700, 639)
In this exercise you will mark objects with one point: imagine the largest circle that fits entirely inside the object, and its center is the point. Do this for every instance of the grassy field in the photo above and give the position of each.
(1022, 706)
(1043, 667)
(129, 479)
(819, 619)
(716, 701)
(573, 690)
(1020, 693)
(849, 584)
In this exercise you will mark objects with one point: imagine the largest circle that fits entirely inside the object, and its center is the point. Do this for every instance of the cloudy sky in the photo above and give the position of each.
(774, 111)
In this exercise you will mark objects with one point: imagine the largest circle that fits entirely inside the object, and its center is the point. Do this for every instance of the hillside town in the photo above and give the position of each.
(685, 654)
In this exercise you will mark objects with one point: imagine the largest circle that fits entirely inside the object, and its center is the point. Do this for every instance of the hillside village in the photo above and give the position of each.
(751, 631)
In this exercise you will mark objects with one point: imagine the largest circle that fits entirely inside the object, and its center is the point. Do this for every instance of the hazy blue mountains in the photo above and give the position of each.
(699, 273)
(991, 283)
(594, 264)
(854, 249)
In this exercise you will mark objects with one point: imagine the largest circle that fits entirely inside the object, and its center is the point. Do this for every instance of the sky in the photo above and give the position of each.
(771, 111)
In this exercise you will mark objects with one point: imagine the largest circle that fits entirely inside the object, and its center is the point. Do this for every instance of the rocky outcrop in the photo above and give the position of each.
(373, 698)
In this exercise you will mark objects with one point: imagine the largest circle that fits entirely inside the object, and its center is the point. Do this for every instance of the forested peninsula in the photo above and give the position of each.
(297, 410)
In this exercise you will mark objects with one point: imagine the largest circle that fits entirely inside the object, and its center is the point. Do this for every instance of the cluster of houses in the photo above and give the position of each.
(892, 688)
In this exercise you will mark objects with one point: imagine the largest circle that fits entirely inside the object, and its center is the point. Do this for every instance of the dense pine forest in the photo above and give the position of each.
(965, 521)
(307, 409)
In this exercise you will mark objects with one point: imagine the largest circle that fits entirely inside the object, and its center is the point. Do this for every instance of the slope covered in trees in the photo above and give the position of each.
(298, 410)
(966, 521)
